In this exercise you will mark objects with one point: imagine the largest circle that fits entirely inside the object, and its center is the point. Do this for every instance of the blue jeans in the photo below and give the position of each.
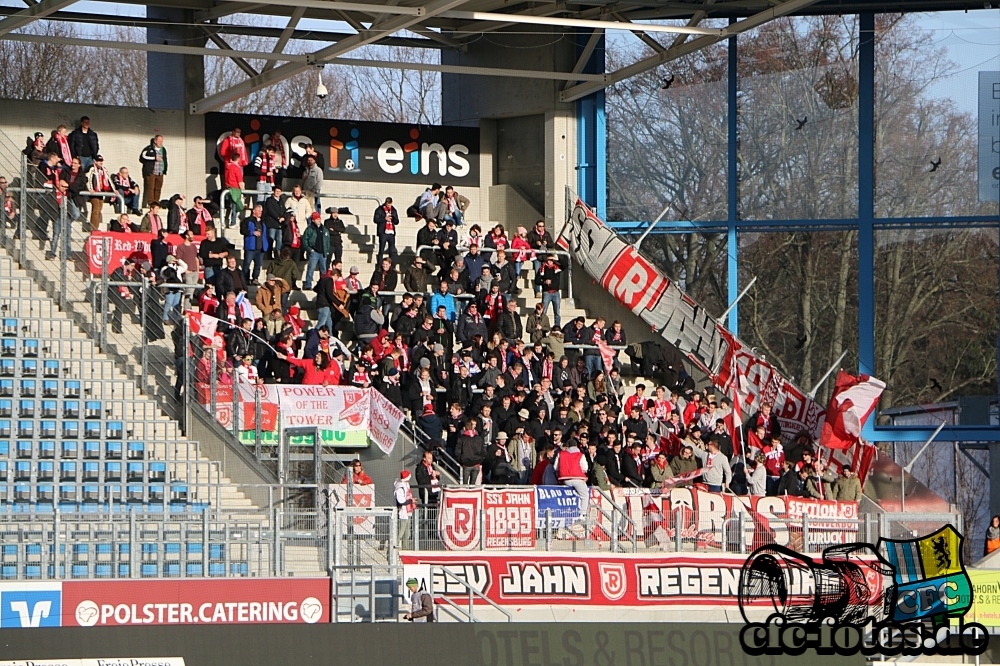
(555, 298)
(317, 262)
(595, 364)
(57, 233)
(537, 266)
(455, 217)
(234, 214)
(86, 163)
(275, 236)
(387, 244)
(171, 305)
(131, 201)
(257, 258)
(264, 190)
(210, 274)
(713, 488)
(323, 317)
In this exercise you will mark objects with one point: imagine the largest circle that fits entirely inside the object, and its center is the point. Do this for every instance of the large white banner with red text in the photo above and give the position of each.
(340, 409)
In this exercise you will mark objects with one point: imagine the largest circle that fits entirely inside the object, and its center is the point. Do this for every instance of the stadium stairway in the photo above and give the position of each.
(30, 315)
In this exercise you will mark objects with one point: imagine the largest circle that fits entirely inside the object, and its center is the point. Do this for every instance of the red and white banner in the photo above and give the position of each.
(748, 380)
(599, 579)
(338, 408)
(355, 496)
(248, 403)
(120, 246)
(384, 419)
(196, 601)
(510, 518)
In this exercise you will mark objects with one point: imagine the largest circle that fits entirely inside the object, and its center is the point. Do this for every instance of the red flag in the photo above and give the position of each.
(202, 324)
(853, 399)
(608, 354)
(734, 419)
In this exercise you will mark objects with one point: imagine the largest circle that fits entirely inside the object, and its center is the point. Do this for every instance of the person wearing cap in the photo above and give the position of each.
(127, 189)
(421, 603)
(172, 273)
(403, 497)
(316, 245)
(471, 323)
(335, 227)
(847, 488)
(154, 167)
(268, 297)
(418, 276)
(386, 223)
(100, 181)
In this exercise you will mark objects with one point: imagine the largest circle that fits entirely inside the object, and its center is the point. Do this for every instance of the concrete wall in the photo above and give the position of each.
(125, 131)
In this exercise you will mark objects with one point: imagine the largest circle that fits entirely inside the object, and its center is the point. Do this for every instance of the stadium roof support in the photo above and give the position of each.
(321, 57)
(783, 9)
(33, 13)
(307, 59)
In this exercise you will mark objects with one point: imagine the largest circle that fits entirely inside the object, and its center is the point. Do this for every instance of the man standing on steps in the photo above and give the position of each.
(335, 226)
(83, 143)
(549, 281)
(316, 243)
(154, 168)
(122, 296)
(274, 219)
(386, 222)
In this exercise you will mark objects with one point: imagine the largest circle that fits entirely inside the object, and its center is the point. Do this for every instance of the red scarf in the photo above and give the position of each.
(66, 155)
(390, 228)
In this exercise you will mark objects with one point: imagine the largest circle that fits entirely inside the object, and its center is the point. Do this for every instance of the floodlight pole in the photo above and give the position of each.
(653, 224)
(722, 317)
(909, 466)
(836, 364)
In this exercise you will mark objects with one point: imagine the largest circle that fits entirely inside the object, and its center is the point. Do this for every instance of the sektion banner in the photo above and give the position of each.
(510, 518)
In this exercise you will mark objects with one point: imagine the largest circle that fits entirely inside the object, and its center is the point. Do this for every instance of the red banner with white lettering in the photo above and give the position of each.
(510, 518)
(196, 601)
(120, 246)
(595, 579)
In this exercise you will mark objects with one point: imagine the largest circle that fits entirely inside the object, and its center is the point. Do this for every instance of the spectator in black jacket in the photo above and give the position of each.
(510, 322)
(470, 451)
(154, 168)
(213, 253)
(386, 223)
(274, 220)
(503, 272)
(471, 323)
(230, 279)
(83, 143)
(541, 242)
(549, 284)
(335, 226)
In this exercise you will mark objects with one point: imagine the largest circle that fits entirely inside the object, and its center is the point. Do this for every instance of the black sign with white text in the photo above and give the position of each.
(359, 151)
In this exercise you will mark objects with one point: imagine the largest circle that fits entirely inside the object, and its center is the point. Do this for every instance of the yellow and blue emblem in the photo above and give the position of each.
(931, 580)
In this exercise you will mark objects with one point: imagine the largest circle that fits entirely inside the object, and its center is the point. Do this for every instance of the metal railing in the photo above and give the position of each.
(560, 253)
(468, 614)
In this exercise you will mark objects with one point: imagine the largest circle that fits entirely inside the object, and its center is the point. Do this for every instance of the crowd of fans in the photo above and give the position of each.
(510, 399)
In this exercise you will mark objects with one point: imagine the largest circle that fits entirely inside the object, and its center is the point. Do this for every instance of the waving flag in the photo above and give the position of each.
(852, 401)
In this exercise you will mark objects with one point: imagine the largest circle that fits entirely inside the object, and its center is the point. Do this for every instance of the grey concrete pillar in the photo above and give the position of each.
(174, 81)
